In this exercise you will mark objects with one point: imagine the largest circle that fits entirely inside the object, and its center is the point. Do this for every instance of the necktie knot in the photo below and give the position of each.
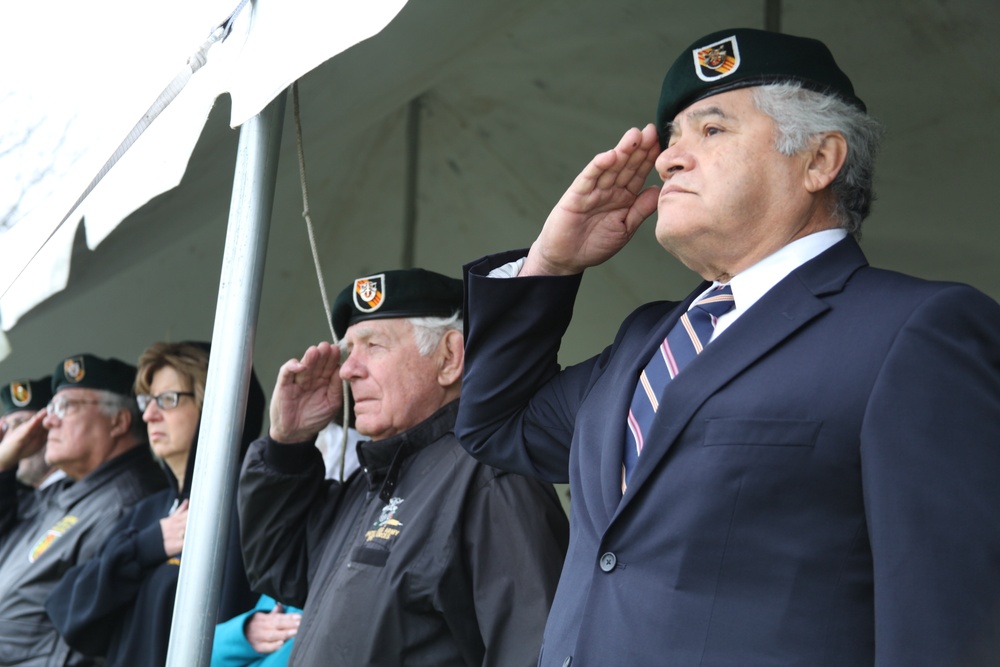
(718, 302)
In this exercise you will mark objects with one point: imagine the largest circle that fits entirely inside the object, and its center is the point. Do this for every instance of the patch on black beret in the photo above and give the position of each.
(743, 57)
(400, 293)
(90, 372)
(25, 395)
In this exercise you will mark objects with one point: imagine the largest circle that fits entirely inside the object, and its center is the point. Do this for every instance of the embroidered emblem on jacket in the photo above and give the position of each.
(387, 526)
(54, 533)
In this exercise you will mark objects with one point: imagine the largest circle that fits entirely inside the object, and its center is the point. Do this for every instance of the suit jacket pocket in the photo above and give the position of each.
(761, 432)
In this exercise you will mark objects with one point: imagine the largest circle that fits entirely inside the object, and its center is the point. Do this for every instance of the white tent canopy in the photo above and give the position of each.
(118, 74)
(515, 97)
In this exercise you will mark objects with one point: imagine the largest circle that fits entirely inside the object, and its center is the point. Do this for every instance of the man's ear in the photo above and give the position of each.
(121, 423)
(827, 159)
(451, 359)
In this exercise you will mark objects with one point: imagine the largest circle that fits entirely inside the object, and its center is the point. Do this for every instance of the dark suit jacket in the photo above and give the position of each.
(821, 487)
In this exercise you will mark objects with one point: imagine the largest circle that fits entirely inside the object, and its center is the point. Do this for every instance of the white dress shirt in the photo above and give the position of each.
(749, 285)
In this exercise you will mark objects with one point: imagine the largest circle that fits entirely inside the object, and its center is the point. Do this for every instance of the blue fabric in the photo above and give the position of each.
(687, 338)
(821, 493)
(231, 648)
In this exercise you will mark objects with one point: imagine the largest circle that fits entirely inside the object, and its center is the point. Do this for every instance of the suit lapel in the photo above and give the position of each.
(650, 329)
(787, 307)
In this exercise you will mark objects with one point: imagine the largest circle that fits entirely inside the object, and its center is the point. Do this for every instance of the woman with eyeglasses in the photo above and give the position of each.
(119, 604)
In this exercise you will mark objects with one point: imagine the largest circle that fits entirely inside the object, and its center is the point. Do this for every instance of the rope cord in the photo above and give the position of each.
(316, 263)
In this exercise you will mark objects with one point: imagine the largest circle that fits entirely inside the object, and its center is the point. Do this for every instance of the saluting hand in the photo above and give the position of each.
(307, 394)
(601, 210)
(23, 441)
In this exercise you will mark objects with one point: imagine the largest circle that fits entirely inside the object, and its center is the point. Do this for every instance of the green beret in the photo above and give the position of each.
(743, 57)
(25, 395)
(90, 372)
(402, 293)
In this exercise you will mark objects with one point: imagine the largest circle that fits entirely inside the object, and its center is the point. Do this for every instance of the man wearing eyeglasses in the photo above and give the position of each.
(92, 432)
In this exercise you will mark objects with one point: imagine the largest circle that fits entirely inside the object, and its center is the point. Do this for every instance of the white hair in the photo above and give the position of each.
(801, 115)
(111, 404)
(428, 331)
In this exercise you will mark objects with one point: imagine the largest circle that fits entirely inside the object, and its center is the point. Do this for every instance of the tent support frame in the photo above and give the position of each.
(216, 468)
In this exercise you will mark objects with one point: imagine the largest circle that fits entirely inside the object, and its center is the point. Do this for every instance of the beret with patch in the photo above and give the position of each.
(400, 293)
(89, 372)
(25, 395)
(743, 57)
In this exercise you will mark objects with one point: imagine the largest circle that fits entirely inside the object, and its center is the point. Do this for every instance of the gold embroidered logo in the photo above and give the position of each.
(54, 533)
(387, 526)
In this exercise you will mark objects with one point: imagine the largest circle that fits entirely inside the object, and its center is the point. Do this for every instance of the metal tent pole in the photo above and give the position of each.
(214, 483)
(412, 172)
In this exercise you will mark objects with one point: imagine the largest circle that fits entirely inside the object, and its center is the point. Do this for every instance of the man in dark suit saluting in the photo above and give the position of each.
(797, 464)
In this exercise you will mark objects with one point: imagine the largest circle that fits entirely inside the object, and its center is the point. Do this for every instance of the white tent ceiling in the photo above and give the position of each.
(515, 97)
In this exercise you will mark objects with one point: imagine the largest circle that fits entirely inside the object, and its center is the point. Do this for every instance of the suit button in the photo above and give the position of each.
(568, 661)
(608, 562)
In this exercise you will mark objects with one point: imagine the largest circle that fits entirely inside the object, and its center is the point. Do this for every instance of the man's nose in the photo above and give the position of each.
(673, 159)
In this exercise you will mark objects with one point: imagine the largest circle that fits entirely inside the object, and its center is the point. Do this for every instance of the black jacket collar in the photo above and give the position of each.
(382, 460)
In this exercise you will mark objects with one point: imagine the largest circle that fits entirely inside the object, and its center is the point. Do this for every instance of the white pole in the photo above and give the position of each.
(214, 483)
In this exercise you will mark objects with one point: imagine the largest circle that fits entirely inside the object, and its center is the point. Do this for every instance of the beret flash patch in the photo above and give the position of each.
(20, 394)
(717, 60)
(369, 293)
(73, 369)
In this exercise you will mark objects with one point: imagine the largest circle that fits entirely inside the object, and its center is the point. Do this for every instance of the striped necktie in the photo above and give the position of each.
(683, 343)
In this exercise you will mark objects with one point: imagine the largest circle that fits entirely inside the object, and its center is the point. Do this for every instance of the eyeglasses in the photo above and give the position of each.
(168, 400)
(60, 407)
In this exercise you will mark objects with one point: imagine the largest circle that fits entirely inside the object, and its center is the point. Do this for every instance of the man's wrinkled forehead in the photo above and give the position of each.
(77, 393)
(392, 327)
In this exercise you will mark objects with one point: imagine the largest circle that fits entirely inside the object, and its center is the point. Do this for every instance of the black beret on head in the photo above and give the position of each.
(743, 57)
(25, 395)
(401, 293)
(89, 372)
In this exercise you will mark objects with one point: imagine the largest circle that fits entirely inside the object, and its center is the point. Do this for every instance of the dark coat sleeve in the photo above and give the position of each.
(91, 596)
(500, 378)
(516, 534)
(519, 409)
(930, 457)
(237, 596)
(280, 492)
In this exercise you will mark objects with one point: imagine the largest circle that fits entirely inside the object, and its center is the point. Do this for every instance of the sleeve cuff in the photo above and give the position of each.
(291, 458)
(149, 545)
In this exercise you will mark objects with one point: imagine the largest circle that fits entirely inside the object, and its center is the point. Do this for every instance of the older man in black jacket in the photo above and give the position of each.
(424, 556)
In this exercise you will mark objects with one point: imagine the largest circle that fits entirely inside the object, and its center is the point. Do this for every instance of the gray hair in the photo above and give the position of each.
(111, 404)
(800, 115)
(428, 331)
